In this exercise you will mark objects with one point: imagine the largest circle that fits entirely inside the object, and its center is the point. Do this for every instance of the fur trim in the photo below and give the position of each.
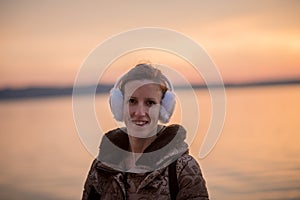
(167, 108)
(116, 104)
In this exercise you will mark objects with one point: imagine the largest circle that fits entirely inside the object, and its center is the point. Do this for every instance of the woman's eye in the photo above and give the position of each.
(150, 103)
(131, 101)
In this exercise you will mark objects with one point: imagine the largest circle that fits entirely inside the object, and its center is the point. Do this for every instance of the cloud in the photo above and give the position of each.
(47, 36)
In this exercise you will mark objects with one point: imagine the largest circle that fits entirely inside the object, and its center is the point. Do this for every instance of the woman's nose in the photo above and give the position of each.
(140, 110)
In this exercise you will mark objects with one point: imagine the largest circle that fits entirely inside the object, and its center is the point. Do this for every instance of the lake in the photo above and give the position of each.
(257, 155)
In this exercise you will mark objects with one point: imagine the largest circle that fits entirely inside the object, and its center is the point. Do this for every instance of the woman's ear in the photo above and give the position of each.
(116, 104)
(167, 107)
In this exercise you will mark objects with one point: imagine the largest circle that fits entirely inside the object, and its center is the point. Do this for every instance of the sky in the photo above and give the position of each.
(44, 43)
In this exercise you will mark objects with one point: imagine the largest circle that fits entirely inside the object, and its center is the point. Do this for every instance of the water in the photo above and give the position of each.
(257, 156)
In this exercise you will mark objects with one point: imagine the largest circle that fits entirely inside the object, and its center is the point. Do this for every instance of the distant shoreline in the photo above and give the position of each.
(40, 92)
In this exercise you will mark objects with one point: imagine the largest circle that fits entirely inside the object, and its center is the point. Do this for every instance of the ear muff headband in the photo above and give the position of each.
(167, 104)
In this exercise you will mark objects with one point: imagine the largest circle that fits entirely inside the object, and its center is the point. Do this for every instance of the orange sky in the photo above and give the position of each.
(44, 42)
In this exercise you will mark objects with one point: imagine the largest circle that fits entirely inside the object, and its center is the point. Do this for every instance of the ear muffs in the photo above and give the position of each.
(116, 104)
(167, 107)
(167, 103)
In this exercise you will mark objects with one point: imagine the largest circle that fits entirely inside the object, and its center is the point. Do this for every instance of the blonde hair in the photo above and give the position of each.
(144, 71)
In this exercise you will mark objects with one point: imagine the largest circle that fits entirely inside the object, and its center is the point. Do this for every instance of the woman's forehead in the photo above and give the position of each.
(135, 86)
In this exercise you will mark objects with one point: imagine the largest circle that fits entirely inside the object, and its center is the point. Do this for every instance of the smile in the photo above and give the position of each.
(140, 122)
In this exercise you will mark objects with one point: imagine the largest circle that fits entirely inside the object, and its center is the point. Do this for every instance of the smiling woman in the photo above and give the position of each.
(141, 110)
(144, 159)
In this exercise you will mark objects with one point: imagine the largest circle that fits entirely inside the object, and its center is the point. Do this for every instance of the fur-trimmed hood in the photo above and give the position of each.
(166, 148)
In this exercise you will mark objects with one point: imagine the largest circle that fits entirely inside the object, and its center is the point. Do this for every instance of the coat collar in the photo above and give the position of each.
(167, 147)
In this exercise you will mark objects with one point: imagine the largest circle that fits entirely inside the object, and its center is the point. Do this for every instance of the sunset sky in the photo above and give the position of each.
(44, 43)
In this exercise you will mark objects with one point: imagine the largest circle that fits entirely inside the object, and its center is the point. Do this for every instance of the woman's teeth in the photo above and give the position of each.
(140, 123)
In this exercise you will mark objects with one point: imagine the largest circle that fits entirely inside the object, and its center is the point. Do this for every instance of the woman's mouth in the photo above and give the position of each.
(140, 122)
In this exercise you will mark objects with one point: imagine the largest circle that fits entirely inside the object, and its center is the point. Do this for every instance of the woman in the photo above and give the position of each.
(144, 160)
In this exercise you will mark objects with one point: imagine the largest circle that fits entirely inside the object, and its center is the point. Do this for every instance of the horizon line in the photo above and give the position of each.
(54, 91)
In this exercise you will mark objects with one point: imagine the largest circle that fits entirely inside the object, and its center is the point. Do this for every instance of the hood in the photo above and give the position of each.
(166, 148)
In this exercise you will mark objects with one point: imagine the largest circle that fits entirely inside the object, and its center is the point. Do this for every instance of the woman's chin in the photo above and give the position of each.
(141, 131)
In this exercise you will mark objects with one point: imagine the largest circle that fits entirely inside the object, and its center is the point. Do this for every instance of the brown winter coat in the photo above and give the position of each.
(109, 179)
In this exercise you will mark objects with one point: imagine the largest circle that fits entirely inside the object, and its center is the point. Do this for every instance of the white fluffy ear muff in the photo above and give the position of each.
(116, 104)
(167, 107)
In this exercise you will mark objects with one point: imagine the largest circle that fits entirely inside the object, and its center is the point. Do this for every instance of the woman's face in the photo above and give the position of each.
(141, 107)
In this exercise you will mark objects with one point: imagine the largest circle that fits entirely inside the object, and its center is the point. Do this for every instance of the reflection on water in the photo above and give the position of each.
(257, 156)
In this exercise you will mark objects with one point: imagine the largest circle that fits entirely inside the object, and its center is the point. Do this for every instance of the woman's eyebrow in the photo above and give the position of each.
(151, 98)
